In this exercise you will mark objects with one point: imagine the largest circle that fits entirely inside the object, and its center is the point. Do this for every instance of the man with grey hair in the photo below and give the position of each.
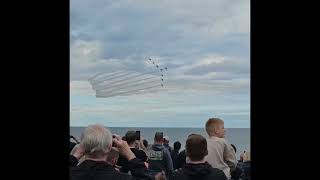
(96, 142)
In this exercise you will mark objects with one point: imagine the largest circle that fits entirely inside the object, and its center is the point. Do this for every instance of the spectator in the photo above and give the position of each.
(160, 158)
(220, 153)
(166, 141)
(181, 160)
(197, 168)
(174, 153)
(96, 142)
(131, 140)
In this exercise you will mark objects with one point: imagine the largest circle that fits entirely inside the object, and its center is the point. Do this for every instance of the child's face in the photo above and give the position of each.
(220, 131)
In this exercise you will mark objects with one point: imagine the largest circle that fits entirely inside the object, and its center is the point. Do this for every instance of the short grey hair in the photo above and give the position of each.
(96, 141)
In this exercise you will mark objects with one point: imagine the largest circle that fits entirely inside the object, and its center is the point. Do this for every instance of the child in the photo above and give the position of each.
(220, 152)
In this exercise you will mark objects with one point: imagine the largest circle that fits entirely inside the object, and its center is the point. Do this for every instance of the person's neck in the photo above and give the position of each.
(213, 136)
(195, 162)
(158, 143)
(97, 159)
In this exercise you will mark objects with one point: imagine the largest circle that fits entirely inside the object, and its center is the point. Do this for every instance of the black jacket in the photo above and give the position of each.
(99, 170)
(174, 157)
(123, 162)
(202, 171)
(181, 159)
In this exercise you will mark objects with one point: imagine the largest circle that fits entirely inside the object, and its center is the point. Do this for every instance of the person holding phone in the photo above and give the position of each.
(131, 137)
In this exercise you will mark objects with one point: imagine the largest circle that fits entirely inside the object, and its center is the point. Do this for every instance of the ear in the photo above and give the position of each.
(206, 152)
(109, 148)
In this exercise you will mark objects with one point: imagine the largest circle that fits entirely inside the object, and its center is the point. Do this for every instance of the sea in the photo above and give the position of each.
(240, 137)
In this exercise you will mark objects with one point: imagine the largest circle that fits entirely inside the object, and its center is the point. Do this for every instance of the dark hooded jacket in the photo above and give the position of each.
(202, 171)
(99, 170)
(160, 160)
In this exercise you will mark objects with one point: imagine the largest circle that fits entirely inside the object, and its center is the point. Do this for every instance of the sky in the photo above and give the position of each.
(204, 43)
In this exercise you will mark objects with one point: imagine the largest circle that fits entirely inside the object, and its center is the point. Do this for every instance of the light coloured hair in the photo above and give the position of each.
(212, 124)
(96, 141)
(246, 156)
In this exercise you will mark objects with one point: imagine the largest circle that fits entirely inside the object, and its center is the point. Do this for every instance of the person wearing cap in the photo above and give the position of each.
(166, 141)
(160, 158)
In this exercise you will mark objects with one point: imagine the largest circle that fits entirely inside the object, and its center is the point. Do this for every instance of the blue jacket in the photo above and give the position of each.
(160, 160)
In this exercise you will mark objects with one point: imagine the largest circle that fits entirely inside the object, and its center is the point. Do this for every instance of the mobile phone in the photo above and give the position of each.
(138, 135)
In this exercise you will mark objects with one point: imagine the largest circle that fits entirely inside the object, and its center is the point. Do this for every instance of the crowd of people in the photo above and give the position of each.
(102, 155)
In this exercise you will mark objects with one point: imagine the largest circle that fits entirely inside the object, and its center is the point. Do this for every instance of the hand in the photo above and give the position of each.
(141, 143)
(123, 147)
(160, 176)
(79, 152)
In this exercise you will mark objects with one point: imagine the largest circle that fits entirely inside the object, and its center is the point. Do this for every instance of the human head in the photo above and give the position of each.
(166, 139)
(145, 143)
(96, 141)
(215, 127)
(176, 145)
(112, 157)
(246, 156)
(196, 147)
(131, 137)
(158, 138)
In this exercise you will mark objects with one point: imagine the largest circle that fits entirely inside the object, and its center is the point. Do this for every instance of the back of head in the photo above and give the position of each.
(246, 156)
(176, 145)
(166, 139)
(113, 156)
(96, 141)
(196, 147)
(212, 124)
(131, 137)
(145, 143)
(158, 137)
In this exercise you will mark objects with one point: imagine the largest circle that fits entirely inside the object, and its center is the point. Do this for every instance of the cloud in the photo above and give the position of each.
(204, 43)
(81, 88)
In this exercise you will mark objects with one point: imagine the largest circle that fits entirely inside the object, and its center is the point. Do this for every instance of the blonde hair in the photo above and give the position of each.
(212, 124)
(246, 156)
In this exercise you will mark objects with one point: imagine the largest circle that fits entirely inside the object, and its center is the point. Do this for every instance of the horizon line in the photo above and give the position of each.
(162, 127)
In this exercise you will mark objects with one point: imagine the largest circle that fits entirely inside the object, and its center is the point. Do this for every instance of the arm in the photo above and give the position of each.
(169, 165)
(76, 155)
(73, 161)
(136, 166)
(229, 156)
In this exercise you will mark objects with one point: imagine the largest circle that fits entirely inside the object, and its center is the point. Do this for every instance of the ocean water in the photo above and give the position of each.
(240, 137)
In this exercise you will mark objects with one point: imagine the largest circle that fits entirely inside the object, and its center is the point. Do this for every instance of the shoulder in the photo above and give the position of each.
(218, 173)
(178, 174)
(140, 152)
(165, 150)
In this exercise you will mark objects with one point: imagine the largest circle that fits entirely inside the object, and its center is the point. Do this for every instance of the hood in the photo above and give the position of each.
(157, 147)
(197, 169)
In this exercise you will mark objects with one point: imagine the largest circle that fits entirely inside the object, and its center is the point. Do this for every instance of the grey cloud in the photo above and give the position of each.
(176, 33)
